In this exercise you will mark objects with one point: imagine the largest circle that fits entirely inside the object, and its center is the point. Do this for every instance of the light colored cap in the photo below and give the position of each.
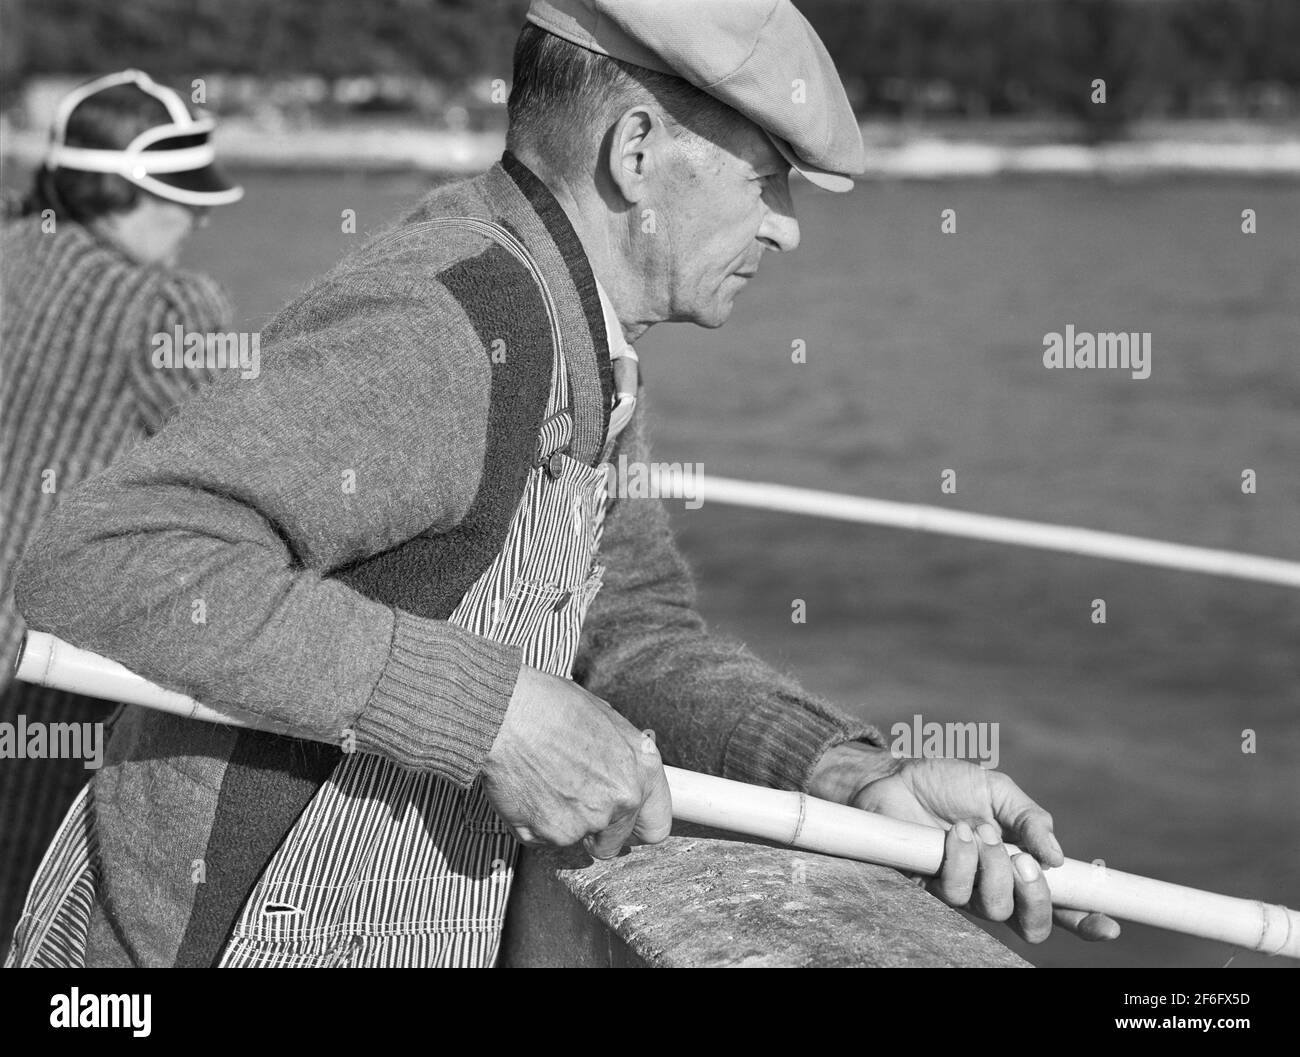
(174, 160)
(760, 57)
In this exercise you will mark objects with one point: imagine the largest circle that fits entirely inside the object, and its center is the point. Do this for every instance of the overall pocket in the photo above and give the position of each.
(519, 618)
(373, 879)
(567, 629)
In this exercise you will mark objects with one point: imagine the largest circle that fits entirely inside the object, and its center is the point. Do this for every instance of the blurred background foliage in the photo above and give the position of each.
(899, 58)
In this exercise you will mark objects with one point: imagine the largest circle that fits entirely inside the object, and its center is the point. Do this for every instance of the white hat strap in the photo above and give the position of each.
(131, 164)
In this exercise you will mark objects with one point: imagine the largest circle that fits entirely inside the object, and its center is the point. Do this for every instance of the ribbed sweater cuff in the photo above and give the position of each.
(440, 700)
(779, 742)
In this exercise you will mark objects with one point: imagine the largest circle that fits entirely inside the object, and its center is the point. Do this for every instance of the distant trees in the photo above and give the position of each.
(898, 57)
(1174, 57)
(447, 39)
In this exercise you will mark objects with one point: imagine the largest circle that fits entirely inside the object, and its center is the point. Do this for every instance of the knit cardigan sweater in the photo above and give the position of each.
(325, 519)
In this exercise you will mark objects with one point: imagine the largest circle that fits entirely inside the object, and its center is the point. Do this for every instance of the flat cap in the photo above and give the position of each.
(760, 57)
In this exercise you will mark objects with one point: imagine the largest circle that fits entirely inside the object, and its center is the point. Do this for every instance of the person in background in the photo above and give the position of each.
(89, 275)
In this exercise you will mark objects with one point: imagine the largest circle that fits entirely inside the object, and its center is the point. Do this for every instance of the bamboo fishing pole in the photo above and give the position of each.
(791, 818)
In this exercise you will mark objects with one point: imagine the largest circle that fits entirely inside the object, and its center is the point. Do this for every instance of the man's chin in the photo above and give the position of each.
(715, 314)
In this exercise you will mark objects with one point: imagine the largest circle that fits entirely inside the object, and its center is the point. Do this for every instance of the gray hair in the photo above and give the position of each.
(564, 98)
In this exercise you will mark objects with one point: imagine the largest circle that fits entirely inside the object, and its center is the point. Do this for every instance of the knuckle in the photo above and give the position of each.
(628, 801)
(560, 836)
(626, 789)
(598, 810)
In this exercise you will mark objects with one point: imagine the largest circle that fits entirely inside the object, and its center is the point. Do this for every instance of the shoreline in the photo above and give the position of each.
(913, 151)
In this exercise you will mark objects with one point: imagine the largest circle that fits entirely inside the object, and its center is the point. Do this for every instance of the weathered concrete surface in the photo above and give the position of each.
(701, 899)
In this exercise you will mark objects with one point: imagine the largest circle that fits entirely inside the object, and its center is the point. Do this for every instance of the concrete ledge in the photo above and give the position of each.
(702, 899)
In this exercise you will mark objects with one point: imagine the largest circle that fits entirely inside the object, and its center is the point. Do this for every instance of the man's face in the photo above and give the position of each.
(719, 206)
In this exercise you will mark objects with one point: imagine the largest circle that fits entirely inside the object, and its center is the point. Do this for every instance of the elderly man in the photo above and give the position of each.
(398, 545)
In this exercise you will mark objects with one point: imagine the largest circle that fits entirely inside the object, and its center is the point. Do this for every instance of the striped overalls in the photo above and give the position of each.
(389, 866)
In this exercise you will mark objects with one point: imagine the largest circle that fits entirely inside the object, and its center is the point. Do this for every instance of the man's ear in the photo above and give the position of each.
(635, 152)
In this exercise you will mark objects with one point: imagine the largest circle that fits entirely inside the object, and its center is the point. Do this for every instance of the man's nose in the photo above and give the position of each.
(780, 229)
(781, 232)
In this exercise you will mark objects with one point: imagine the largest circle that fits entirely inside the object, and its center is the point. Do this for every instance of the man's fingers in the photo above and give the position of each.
(1091, 927)
(651, 820)
(610, 841)
(1033, 916)
(1035, 835)
(655, 820)
(1027, 823)
(1031, 827)
(961, 859)
(994, 895)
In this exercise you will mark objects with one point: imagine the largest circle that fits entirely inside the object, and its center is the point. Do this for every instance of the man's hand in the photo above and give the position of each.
(565, 767)
(976, 806)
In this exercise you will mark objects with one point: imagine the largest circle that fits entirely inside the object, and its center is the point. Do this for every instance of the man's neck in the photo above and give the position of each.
(596, 227)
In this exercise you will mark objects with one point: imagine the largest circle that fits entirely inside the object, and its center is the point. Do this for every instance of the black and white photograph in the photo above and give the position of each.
(651, 484)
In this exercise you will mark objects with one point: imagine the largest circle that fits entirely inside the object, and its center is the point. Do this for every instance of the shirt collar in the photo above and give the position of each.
(618, 346)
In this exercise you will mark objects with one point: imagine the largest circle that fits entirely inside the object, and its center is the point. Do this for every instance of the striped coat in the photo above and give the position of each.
(77, 387)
